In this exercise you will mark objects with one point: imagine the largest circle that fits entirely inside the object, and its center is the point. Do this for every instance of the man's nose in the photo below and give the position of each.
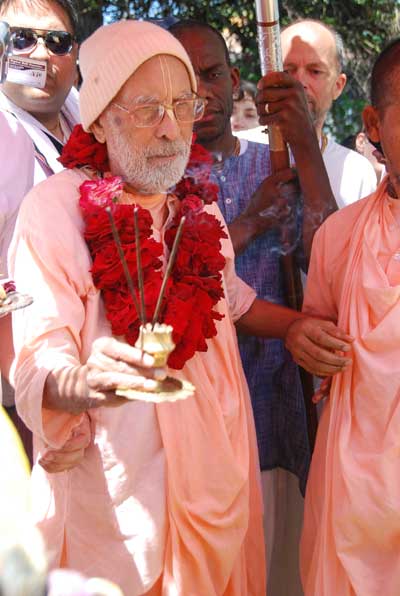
(203, 88)
(238, 123)
(301, 75)
(169, 126)
(40, 51)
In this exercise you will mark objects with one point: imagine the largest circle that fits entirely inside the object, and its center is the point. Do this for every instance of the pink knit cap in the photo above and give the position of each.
(113, 53)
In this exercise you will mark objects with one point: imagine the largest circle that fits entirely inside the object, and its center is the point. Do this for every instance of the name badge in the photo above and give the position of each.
(27, 71)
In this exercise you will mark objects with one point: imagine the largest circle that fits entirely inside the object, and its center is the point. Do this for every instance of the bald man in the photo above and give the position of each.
(313, 54)
(350, 542)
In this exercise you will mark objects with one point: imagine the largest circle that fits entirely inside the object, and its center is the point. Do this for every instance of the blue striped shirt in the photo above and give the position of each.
(273, 377)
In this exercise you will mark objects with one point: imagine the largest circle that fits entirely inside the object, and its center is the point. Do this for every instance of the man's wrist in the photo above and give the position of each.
(66, 389)
(253, 223)
(297, 317)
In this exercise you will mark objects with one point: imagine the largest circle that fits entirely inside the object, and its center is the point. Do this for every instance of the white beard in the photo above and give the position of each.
(130, 161)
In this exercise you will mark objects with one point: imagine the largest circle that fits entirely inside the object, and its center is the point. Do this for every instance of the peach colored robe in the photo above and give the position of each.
(351, 536)
(169, 490)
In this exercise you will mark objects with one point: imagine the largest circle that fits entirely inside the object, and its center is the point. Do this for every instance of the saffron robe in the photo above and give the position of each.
(168, 491)
(351, 536)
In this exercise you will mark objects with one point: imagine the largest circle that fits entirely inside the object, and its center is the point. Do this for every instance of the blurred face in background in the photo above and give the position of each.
(244, 114)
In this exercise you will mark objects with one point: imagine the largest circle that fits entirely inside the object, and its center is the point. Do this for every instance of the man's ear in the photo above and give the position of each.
(370, 118)
(98, 131)
(339, 85)
(235, 78)
(360, 142)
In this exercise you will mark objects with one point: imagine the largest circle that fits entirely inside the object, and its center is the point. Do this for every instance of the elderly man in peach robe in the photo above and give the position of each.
(351, 536)
(161, 498)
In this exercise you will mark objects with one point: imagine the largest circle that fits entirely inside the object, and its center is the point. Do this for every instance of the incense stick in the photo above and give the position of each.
(128, 277)
(171, 262)
(139, 267)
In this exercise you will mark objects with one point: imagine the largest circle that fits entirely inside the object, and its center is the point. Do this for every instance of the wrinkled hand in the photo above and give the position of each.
(316, 345)
(71, 454)
(281, 100)
(113, 364)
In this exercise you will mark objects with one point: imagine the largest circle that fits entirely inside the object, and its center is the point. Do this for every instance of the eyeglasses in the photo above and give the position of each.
(188, 109)
(25, 40)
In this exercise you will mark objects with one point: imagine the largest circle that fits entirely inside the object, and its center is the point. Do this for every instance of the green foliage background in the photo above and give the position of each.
(365, 25)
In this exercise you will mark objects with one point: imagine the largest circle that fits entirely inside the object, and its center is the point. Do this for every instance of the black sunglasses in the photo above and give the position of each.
(25, 39)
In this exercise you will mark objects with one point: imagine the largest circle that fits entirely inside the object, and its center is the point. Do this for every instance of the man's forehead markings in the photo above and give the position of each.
(166, 76)
(160, 60)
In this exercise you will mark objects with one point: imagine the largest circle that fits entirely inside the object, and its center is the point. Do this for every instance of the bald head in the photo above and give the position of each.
(385, 78)
(310, 29)
(311, 54)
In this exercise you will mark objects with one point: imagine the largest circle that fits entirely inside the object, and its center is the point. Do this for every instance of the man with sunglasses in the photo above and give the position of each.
(44, 31)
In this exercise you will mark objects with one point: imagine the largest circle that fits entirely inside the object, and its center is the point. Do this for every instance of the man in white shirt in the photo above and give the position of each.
(34, 122)
(313, 54)
(45, 32)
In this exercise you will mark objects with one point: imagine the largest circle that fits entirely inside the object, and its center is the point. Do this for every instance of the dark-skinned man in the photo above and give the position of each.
(251, 201)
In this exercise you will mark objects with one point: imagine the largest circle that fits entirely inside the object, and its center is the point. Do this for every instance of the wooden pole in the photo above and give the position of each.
(269, 46)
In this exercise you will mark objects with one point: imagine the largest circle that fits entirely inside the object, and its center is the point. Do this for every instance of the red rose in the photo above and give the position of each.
(191, 204)
(82, 149)
(101, 192)
(200, 155)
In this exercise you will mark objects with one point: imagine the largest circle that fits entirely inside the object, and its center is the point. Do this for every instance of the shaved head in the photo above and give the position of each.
(386, 74)
(312, 25)
(312, 54)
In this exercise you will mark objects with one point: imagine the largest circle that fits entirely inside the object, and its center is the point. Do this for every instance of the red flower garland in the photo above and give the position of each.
(195, 285)
(82, 149)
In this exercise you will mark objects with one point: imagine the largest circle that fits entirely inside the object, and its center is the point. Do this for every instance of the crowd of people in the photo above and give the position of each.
(219, 492)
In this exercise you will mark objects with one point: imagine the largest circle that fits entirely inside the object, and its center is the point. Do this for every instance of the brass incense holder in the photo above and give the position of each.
(157, 341)
(154, 338)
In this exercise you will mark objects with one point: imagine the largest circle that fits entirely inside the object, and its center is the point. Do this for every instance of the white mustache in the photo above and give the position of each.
(173, 149)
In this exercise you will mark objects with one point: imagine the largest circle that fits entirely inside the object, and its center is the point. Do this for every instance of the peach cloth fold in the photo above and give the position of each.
(170, 490)
(351, 536)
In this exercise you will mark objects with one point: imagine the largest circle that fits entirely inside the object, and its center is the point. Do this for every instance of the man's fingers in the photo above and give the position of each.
(315, 344)
(275, 79)
(323, 390)
(325, 357)
(58, 461)
(329, 332)
(318, 368)
(103, 381)
(118, 350)
(330, 339)
(105, 362)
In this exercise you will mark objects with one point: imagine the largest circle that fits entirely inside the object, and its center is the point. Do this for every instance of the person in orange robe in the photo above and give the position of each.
(166, 499)
(351, 536)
